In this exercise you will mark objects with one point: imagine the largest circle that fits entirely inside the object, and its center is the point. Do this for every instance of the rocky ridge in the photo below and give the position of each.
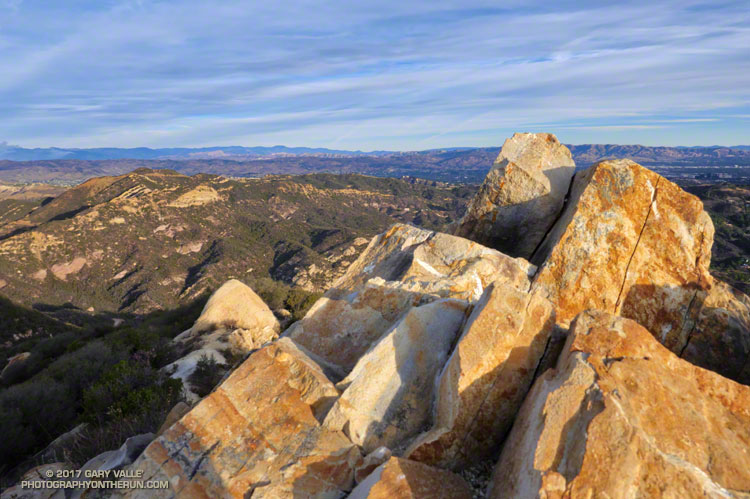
(614, 349)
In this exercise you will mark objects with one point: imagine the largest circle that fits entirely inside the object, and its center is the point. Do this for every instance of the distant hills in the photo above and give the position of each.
(156, 239)
(70, 166)
(16, 153)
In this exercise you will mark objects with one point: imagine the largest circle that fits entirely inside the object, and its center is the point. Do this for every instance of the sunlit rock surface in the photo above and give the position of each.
(401, 268)
(401, 478)
(521, 196)
(486, 378)
(258, 433)
(621, 416)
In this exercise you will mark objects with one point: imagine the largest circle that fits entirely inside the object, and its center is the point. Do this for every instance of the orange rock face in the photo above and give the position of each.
(486, 378)
(621, 416)
(258, 433)
(631, 243)
(401, 478)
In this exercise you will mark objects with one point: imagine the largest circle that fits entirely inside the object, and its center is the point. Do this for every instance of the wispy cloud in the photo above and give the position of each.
(400, 75)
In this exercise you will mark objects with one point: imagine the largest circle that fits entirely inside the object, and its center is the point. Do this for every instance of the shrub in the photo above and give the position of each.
(31, 415)
(208, 373)
(129, 389)
(299, 301)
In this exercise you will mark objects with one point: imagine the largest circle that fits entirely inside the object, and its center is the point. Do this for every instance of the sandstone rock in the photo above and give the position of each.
(236, 306)
(721, 338)
(631, 243)
(401, 478)
(234, 321)
(370, 462)
(257, 434)
(174, 415)
(37, 473)
(435, 263)
(486, 378)
(401, 268)
(388, 395)
(126, 454)
(15, 368)
(521, 196)
(621, 416)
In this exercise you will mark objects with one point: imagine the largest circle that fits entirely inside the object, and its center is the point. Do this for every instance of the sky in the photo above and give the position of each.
(393, 75)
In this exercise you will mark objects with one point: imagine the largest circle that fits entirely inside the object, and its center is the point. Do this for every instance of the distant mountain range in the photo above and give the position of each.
(458, 164)
(16, 153)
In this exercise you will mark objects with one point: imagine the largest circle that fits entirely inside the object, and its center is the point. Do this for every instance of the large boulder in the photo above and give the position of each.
(521, 196)
(233, 322)
(631, 243)
(258, 434)
(621, 416)
(720, 340)
(486, 378)
(401, 268)
(236, 306)
(388, 395)
(404, 479)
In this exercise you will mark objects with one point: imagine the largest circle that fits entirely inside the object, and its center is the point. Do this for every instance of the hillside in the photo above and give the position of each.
(155, 239)
(729, 207)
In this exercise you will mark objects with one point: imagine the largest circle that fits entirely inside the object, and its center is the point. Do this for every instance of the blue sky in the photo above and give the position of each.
(402, 75)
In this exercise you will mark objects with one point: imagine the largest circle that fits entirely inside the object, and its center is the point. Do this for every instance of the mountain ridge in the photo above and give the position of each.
(466, 165)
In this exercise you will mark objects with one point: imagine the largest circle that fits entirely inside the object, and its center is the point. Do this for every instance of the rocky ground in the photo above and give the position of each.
(610, 363)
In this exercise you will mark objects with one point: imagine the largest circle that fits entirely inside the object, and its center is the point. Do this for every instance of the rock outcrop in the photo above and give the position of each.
(521, 196)
(720, 340)
(388, 395)
(631, 243)
(434, 354)
(258, 433)
(401, 268)
(622, 416)
(233, 322)
(401, 478)
(486, 378)
(236, 306)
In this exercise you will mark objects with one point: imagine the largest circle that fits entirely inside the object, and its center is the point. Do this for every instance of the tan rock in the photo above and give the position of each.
(401, 478)
(621, 416)
(486, 378)
(720, 340)
(235, 306)
(234, 321)
(63, 270)
(631, 243)
(174, 415)
(203, 194)
(435, 263)
(258, 434)
(370, 462)
(400, 268)
(521, 196)
(389, 394)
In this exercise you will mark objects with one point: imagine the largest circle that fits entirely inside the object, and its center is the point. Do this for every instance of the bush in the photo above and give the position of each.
(130, 389)
(31, 415)
(299, 301)
(208, 373)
